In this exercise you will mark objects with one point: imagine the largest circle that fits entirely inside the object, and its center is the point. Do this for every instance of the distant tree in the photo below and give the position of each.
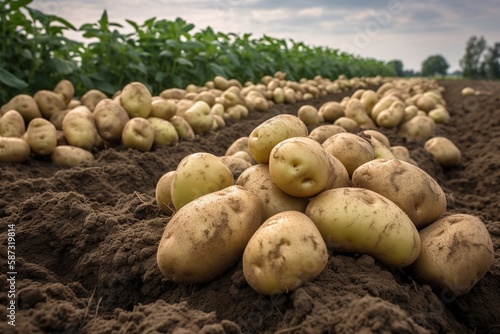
(410, 73)
(434, 65)
(490, 66)
(398, 66)
(471, 61)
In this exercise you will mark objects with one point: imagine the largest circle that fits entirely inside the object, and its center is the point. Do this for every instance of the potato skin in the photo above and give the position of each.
(444, 151)
(136, 99)
(70, 156)
(457, 251)
(48, 102)
(285, 252)
(350, 149)
(25, 105)
(207, 236)
(14, 149)
(139, 134)
(110, 119)
(407, 185)
(42, 136)
(360, 220)
(12, 124)
(79, 128)
(163, 194)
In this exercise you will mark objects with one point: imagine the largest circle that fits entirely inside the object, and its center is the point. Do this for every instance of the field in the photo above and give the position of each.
(86, 241)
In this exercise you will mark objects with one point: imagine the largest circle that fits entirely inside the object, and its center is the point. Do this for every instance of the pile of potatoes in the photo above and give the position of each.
(55, 123)
(281, 201)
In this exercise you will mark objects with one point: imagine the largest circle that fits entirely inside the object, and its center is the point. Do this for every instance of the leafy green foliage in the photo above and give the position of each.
(35, 54)
(481, 61)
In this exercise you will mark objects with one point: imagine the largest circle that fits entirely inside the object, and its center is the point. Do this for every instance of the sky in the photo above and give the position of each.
(407, 30)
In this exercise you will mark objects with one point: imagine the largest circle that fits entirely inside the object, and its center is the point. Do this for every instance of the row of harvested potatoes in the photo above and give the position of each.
(69, 130)
(55, 123)
(282, 202)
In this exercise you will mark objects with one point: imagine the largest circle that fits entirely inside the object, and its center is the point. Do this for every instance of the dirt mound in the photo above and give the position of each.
(86, 241)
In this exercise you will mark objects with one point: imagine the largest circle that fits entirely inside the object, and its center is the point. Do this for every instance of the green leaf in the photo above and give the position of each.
(187, 27)
(217, 69)
(62, 66)
(11, 80)
(160, 76)
(172, 43)
(15, 5)
(133, 24)
(139, 67)
(63, 21)
(166, 53)
(184, 62)
(189, 45)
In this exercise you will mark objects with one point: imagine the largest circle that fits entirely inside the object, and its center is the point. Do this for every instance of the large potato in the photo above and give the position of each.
(362, 221)
(258, 180)
(110, 119)
(199, 174)
(25, 105)
(286, 252)
(70, 156)
(12, 124)
(199, 117)
(138, 134)
(14, 149)
(41, 136)
(410, 187)
(301, 167)
(419, 127)
(457, 251)
(265, 136)
(79, 128)
(350, 149)
(136, 99)
(163, 193)
(165, 132)
(207, 236)
(444, 151)
(48, 102)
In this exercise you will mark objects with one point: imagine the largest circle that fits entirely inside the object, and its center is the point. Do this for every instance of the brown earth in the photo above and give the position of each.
(86, 241)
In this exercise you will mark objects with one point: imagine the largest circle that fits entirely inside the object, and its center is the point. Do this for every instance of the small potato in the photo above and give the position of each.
(49, 102)
(73, 104)
(221, 83)
(276, 129)
(218, 122)
(457, 251)
(182, 127)
(402, 153)
(347, 123)
(384, 103)
(368, 99)
(164, 132)
(70, 156)
(25, 105)
(362, 221)
(136, 99)
(392, 116)
(12, 124)
(173, 93)
(110, 119)
(286, 252)
(308, 114)
(331, 111)
(279, 95)
(57, 118)
(206, 97)
(425, 103)
(79, 128)
(410, 187)
(240, 144)
(410, 112)
(380, 151)
(163, 108)
(357, 112)
(350, 149)
(199, 117)
(258, 180)
(91, 98)
(439, 115)
(301, 167)
(419, 127)
(218, 109)
(444, 151)
(379, 136)
(163, 193)
(14, 149)
(65, 90)
(323, 132)
(138, 134)
(199, 174)
(467, 91)
(236, 164)
(42, 136)
(207, 236)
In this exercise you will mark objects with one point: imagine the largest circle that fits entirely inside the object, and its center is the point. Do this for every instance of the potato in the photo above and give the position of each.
(240, 144)
(410, 112)
(221, 83)
(136, 99)
(70, 156)
(402, 153)
(457, 251)
(384, 103)
(207, 236)
(14, 149)
(236, 164)
(323, 132)
(379, 136)
(347, 123)
(350, 149)
(12, 124)
(164, 132)
(243, 155)
(73, 104)
(301, 167)
(362, 221)
(286, 252)
(308, 114)
(138, 134)
(206, 97)
(425, 103)
(163, 108)
(182, 127)
(357, 112)
(79, 128)
(199, 117)
(380, 151)
(467, 91)
(65, 90)
(264, 137)
(163, 193)
(410, 187)
(331, 111)
(25, 105)
(218, 109)
(279, 95)
(199, 174)
(42, 136)
(368, 99)
(419, 127)
(444, 151)
(258, 180)
(57, 118)
(91, 98)
(173, 93)
(110, 119)
(48, 102)
(392, 116)
(439, 115)
(218, 122)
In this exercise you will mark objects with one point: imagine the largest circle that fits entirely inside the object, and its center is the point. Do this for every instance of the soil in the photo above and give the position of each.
(86, 240)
